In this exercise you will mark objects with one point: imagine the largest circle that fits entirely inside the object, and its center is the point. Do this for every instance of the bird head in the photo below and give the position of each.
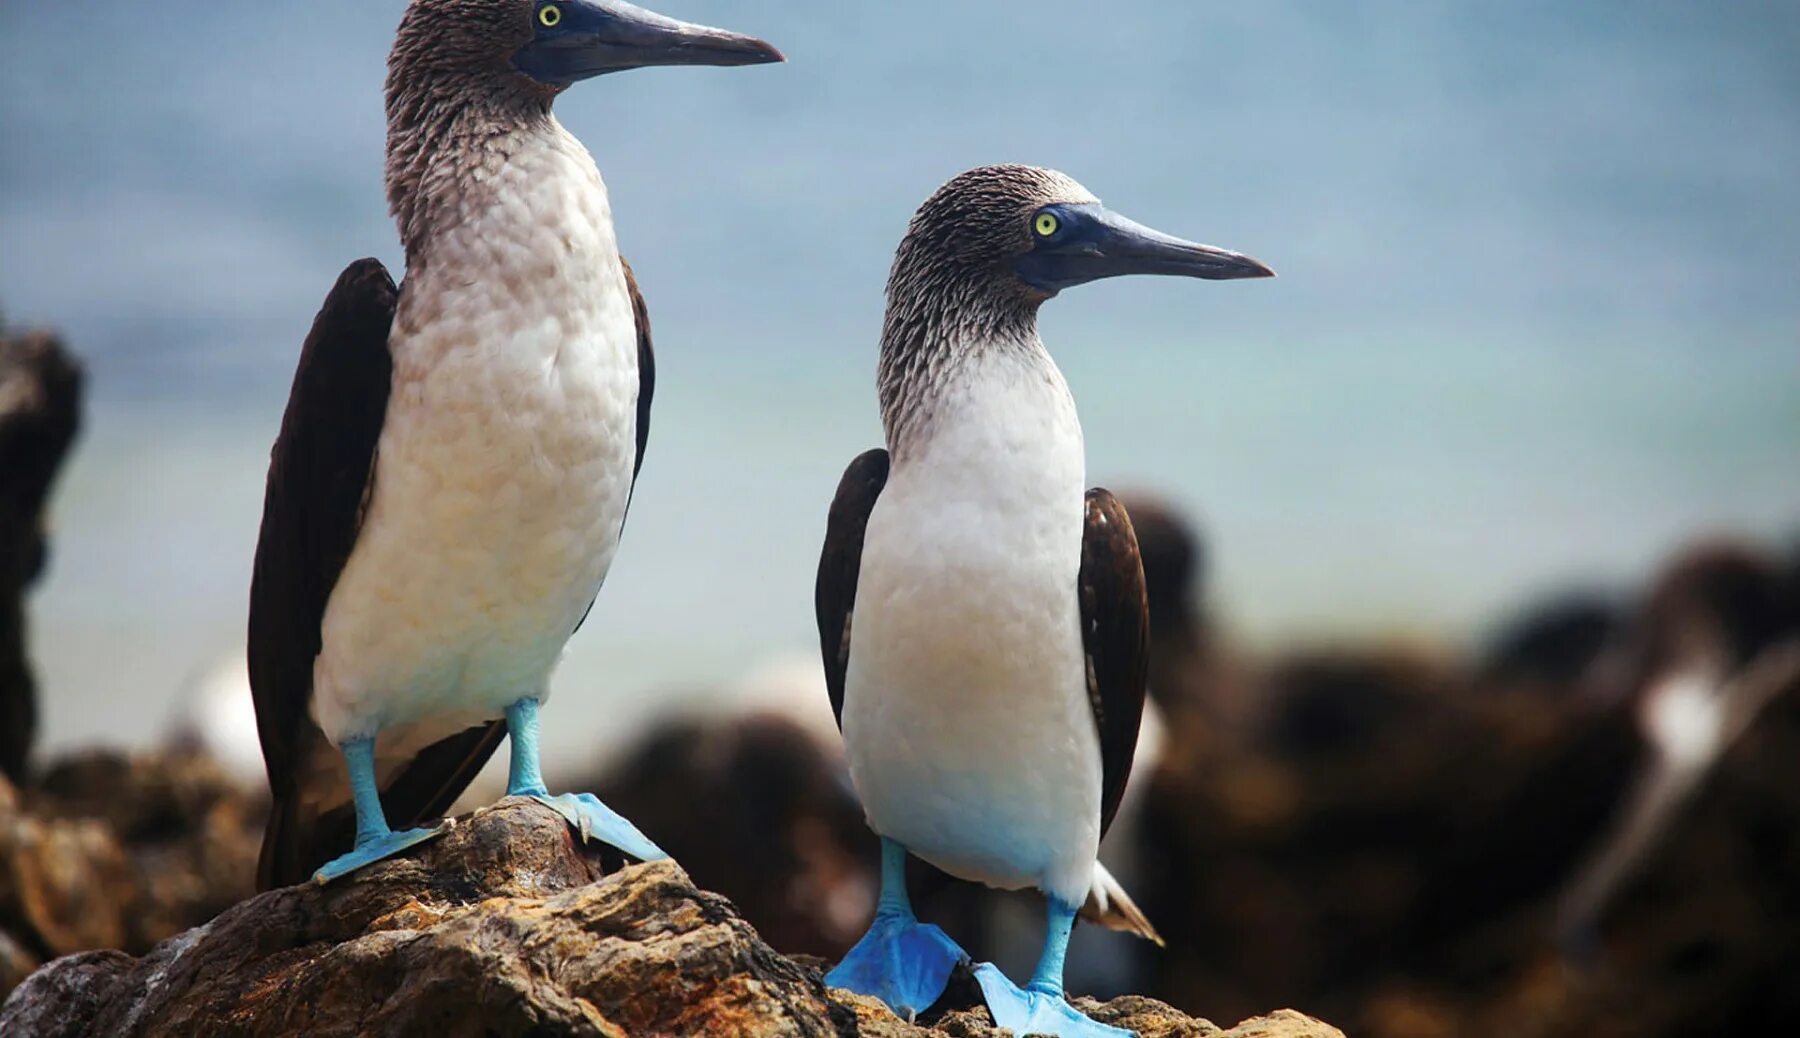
(1034, 232)
(553, 44)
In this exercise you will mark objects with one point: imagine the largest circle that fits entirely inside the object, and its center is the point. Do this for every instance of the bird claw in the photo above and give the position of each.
(595, 821)
(1033, 1011)
(368, 852)
(901, 961)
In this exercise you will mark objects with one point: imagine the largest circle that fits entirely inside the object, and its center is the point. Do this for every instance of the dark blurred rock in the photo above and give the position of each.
(1285, 859)
(505, 926)
(1552, 645)
(1191, 677)
(756, 808)
(122, 852)
(1388, 842)
(40, 410)
(15, 962)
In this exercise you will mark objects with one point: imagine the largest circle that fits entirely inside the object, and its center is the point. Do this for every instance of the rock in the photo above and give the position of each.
(505, 926)
(120, 852)
(62, 880)
(15, 962)
(1389, 839)
(40, 410)
(758, 809)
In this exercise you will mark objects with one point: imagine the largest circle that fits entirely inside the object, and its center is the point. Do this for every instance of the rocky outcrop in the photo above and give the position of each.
(119, 852)
(1389, 845)
(505, 926)
(756, 808)
(40, 409)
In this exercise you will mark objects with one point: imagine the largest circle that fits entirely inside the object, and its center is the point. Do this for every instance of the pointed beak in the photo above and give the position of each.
(1097, 243)
(594, 37)
(1123, 246)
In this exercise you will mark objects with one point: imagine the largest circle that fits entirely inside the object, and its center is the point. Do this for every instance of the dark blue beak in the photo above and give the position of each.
(580, 39)
(1092, 242)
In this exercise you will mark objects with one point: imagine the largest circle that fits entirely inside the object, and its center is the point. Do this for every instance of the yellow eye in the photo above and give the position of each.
(550, 16)
(1047, 224)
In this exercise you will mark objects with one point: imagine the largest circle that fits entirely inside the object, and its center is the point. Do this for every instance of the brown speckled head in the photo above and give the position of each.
(968, 236)
(468, 76)
(467, 40)
(954, 283)
(987, 250)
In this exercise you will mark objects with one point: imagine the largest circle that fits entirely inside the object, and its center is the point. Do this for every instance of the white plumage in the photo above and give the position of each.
(966, 715)
(505, 464)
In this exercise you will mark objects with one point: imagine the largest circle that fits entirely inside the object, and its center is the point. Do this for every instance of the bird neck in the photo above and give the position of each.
(447, 131)
(931, 340)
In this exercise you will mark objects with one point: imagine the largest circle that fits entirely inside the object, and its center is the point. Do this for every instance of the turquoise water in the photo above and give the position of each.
(1538, 319)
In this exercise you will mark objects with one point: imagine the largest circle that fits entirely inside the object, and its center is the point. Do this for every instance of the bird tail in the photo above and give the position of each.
(290, 847)
(1109, 906)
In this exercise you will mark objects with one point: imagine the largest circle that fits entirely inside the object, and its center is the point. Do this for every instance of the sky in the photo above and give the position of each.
(1538, 318)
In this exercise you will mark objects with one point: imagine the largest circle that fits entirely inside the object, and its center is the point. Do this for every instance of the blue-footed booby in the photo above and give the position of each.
(458, 454)
(982, 618)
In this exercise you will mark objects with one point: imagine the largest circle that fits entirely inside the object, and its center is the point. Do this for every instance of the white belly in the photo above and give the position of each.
(504, 467)
(966, 715)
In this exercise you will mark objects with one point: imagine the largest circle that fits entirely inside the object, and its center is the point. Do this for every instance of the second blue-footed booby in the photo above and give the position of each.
(982, 618)
(458, 454)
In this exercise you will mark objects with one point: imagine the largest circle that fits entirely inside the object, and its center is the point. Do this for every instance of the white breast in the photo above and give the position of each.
(966, 715)
(505, 464)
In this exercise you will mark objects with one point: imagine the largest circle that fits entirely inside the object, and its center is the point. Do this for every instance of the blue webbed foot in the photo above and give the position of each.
(1037, 1010)
(595, 821)
(371, 849)
(901, 961)
(586, 814)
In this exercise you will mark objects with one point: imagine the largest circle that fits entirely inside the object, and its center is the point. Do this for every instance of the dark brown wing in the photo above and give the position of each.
(646, 371)
(319, 474)
(834, 596)
(1115, 625)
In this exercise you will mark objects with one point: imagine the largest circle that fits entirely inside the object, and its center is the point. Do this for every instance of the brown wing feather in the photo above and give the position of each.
(646, 372)
(834, 596)
(319, 475)
(1115, 625)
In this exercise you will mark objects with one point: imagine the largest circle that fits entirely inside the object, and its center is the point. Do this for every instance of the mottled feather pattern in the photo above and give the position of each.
(949, 288)
(455, 106)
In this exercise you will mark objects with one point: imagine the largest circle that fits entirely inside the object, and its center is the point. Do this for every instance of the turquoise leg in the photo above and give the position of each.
(901, 961)
(1041, 1008)
(374, 840)
(586, 814)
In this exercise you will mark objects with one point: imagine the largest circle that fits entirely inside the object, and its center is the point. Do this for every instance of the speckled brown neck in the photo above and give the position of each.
(455, 105)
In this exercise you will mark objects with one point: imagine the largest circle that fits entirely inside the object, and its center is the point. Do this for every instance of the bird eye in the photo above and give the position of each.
(1046, 224)
(550, 16)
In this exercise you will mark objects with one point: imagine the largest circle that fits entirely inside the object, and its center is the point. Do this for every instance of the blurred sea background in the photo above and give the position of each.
(1538, 318)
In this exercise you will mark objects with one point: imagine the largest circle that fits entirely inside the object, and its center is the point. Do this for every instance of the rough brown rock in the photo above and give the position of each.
(119, 852)
(756, 808)
(15, 962)
(40, 409)
(190, 831)
(1387, 843)
(505, 926)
